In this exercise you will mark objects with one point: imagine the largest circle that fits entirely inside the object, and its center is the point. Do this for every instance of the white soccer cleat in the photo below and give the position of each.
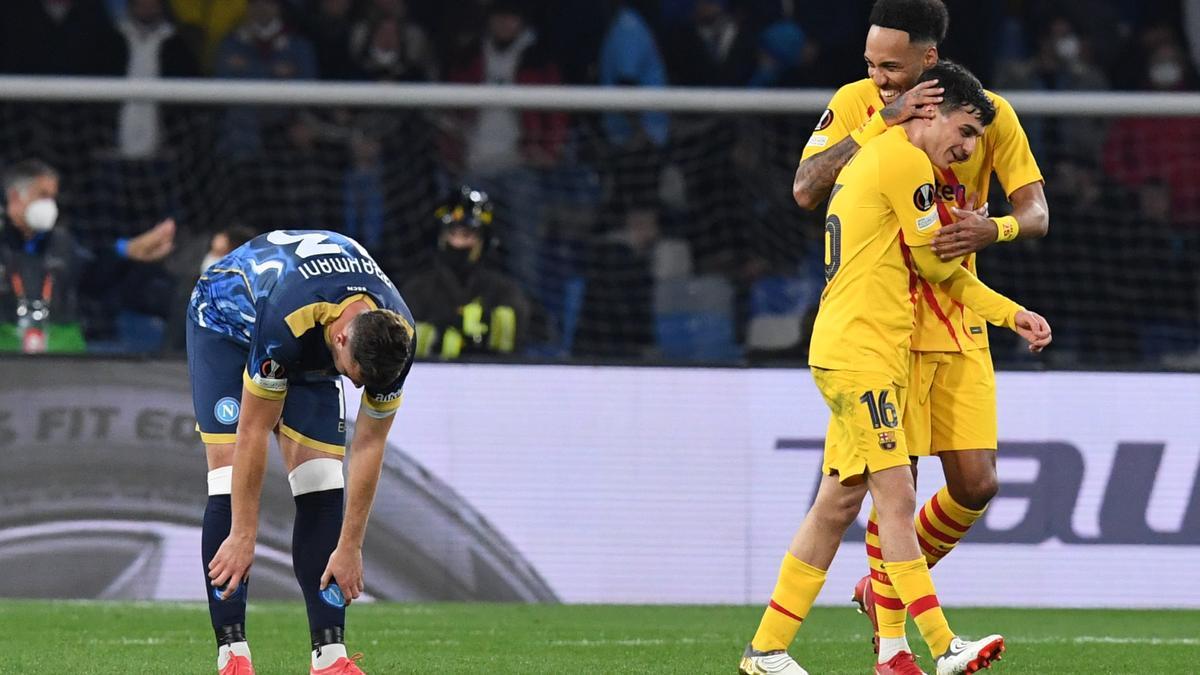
(775, 662)
(970, 657)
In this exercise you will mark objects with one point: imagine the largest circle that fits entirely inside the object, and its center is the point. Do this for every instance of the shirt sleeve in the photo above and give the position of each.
(960, 284)
(273, 350)
(906, 180)
(839, 119)
(1015, 165)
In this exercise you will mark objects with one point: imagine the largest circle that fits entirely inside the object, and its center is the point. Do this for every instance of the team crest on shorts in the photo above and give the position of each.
(887, 440)
(227, 410)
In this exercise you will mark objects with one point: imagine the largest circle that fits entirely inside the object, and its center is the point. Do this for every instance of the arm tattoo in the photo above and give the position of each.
(818, 173)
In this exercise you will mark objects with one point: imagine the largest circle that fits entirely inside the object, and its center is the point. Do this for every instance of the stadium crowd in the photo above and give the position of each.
(636, 236)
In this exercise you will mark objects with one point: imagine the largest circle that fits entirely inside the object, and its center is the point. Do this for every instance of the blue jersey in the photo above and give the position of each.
(276, 294)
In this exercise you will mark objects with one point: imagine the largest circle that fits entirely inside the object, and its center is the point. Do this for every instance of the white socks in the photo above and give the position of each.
(226, 652)
(326, 655)
(889, 647)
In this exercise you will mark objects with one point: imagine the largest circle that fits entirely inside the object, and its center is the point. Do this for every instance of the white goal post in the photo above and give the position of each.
(677, 99)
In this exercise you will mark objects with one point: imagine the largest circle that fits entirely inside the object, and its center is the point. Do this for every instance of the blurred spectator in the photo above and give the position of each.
(262, 47)
(45, 272)
(502, 138)
(629, 57)
(504, 150)
(713, 49)
(155, 50)
(209, 22)
(387, 46)
(39, 261)
(1165, 149)
(222, 243)
(1062, 61)
(783, 56)
(58, 37)
(1191, 28)
(462, 306)
(328, 23)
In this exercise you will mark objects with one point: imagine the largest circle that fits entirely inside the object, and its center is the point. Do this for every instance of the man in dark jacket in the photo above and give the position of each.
(461, 305)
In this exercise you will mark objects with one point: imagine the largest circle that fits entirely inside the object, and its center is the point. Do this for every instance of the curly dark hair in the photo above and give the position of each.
(962, 90)
(381, 342)
(923, 20)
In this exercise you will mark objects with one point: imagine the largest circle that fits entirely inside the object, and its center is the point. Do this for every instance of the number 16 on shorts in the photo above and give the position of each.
(883, 416)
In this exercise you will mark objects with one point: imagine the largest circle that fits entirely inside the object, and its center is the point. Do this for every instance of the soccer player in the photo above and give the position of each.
(881, 220)
(952, 404)
(272, 327)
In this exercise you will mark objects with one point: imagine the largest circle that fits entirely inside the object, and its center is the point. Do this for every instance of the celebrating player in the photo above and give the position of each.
(952, 404)
(271, 328)
(881, 221)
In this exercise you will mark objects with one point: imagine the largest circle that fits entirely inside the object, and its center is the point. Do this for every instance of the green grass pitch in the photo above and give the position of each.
(82, 638)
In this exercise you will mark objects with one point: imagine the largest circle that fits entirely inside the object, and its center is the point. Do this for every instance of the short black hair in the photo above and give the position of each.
(962, 90)
(923, 20)
(381, 342)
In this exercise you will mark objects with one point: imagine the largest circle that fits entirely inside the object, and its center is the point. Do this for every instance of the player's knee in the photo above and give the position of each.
(316, 475)
(975, 492)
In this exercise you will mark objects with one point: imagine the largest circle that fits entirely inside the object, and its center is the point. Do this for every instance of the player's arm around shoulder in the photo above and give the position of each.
(829, 148)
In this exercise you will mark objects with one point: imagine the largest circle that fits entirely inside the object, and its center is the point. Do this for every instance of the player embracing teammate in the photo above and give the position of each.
(947, 382)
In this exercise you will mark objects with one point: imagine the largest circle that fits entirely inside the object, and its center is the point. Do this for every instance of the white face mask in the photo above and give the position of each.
(1166, 74)
(41, 214)
(208, 261)
(1067, 48)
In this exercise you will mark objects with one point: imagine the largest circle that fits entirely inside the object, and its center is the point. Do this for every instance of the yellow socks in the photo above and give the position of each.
(797, 588)
(941, 522)
(915, 587)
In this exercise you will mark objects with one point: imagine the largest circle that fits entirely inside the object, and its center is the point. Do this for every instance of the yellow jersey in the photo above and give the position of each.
(883, 201)
(942, 325)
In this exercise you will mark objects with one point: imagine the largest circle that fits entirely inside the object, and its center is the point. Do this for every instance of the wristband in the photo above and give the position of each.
(1007, 228)
(874, 127)
(122, 247)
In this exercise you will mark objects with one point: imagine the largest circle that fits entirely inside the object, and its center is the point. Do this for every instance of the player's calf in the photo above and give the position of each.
(229, 614)
(318, 487)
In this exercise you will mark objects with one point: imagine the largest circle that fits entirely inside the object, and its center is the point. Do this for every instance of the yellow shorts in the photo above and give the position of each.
(865, 429)
(952, 402)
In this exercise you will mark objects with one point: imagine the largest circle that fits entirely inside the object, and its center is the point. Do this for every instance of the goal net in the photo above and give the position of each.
(642, 225)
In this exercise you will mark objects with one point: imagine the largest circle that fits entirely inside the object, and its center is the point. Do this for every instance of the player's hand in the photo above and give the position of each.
(1034, 328)
(346, 569)
(971, 231)
(920, 101)
(231, 565)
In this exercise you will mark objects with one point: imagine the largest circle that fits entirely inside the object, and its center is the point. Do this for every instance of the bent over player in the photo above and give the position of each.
(272, 327)
(951, 410)
(882, 217)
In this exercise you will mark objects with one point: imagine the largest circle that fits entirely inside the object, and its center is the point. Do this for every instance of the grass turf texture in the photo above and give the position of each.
(172, 638)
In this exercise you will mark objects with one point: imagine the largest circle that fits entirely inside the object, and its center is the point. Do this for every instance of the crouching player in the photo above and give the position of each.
(272, 327)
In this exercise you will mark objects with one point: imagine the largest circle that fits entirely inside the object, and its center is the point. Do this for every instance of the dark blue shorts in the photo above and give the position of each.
(314, 413)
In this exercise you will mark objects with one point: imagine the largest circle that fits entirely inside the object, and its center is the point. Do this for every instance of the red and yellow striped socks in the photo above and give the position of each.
(795, 591)
(941, 522)
(889, 610)
(914, 585)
